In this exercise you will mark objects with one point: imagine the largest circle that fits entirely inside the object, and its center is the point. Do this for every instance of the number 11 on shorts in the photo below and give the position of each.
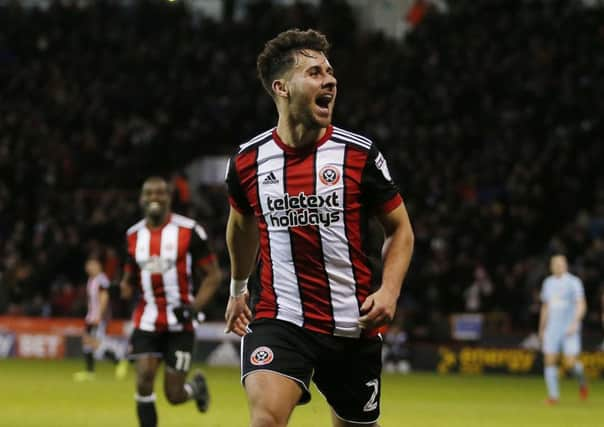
(183, 360)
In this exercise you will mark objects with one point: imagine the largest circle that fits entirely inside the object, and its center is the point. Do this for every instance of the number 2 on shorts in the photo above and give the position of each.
(183, 360)
(371, 404)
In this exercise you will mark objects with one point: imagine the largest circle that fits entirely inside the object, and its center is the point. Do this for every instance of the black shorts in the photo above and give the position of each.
(175, 348)
(346, 370)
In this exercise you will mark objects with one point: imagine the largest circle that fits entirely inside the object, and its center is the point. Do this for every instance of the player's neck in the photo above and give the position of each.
(297, 135)
(157, 222)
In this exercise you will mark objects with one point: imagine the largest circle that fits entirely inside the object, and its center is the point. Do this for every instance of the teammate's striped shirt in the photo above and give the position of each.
(313, 206)
(94, 287)
(163, 261)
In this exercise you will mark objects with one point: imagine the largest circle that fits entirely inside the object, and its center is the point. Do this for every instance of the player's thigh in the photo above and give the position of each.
(146, 367)
(276, 348)
(350, 379)
(272, 397)
(145, 350)
(177, 351)
(571, 346)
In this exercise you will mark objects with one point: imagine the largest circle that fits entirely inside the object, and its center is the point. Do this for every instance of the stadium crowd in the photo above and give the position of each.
(489, 114)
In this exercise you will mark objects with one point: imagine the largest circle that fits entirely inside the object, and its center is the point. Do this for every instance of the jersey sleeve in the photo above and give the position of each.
(200, 248)
(130, 264)
(578, 290)
(104, 281)
(237, 198)
(380, 192)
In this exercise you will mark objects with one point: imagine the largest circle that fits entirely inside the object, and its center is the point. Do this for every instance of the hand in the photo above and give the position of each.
(95, 321)
(378, 309)
(237, 315)
(125, 290)
(572, 329)
(185, 313)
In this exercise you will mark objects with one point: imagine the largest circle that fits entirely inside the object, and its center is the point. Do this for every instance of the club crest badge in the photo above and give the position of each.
(262, 356)
(329, 175)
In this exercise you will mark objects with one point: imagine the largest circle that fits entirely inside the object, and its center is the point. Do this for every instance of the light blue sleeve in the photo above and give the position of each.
(578, 290)
(545, 291)
(104, 282)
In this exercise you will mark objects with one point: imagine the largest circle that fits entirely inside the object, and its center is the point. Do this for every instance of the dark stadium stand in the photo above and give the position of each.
(491, 116)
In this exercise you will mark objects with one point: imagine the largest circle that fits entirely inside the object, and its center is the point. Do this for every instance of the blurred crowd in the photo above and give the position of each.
(489, 114)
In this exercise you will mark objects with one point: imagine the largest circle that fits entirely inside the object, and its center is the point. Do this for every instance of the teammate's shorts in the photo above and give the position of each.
(556, 342)
(346, 370)
(175, 348)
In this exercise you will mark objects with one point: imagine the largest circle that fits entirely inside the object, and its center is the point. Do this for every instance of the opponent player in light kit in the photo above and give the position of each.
(562, 311)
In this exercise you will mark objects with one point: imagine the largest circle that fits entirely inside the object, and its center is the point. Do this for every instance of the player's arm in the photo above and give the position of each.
(126, 288)
(543, 315)
(129, 270)
(580, 307)
(580, 310)
(242, 243)
(379, 308)
(207, 271)
(211, 278)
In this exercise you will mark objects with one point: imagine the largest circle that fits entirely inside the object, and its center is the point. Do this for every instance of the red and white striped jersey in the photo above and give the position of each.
(162, 259)
(93, 289)
(313, 205)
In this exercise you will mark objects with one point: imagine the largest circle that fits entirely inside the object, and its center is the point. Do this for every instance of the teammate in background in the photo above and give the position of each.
(97, 317)
(303, 192)
(167, 253)
(562, 311)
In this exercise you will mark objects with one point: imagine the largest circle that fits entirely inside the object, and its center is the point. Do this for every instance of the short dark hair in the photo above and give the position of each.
(278, 53)
(95, 255)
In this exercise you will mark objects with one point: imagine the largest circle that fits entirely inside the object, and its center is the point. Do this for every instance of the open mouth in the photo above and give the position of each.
(324, 100)
(154, 207)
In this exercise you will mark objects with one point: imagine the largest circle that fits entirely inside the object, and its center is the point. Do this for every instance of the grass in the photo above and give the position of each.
(42, 394)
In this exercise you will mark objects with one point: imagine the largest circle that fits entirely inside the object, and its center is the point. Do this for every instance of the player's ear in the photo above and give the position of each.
(280, 88)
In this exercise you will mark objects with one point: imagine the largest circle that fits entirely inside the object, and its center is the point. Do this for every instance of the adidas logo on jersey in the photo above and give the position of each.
(271, 179)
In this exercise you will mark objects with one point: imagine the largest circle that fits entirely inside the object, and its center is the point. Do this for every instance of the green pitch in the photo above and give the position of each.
(42, 394)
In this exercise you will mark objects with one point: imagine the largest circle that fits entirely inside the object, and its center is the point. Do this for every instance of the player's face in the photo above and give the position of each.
(155, 199)
(93, 267)
(312, 89)
(558, 265)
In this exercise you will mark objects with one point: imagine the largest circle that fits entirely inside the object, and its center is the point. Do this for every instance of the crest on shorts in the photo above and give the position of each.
(262, 356)
(329, 175)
